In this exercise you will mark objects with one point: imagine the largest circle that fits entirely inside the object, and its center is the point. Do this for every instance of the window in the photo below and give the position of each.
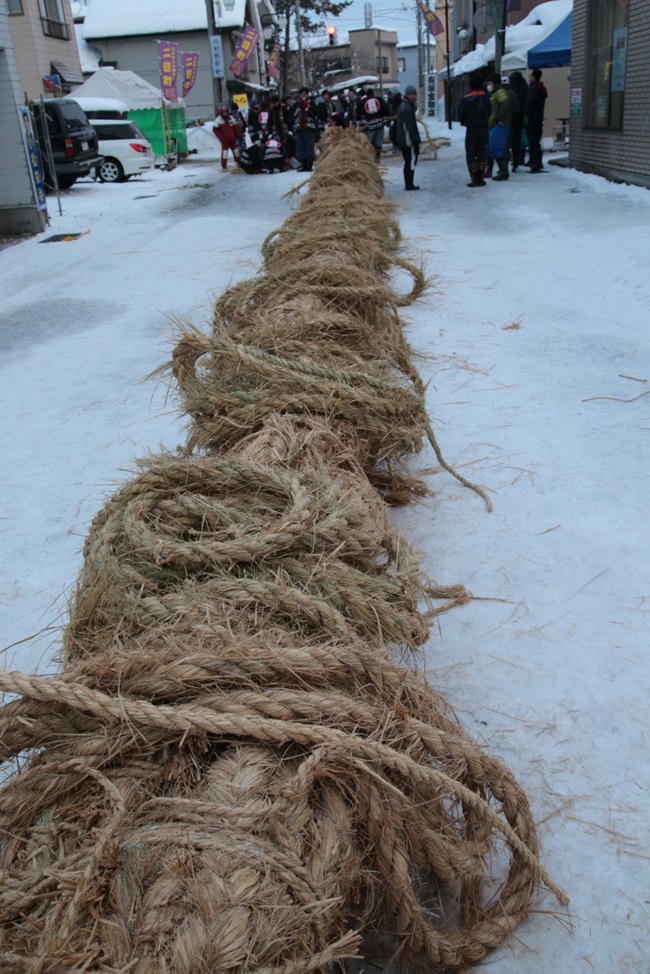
(53, 19)
(401, 64)
(382, 65)
(15, 8)
(608, 21)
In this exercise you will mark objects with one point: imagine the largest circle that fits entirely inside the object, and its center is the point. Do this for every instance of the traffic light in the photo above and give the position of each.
(331, 32)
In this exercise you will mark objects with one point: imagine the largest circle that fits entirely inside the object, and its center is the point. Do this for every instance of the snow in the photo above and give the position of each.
(123, 18)
(534, 344)
(533, 28)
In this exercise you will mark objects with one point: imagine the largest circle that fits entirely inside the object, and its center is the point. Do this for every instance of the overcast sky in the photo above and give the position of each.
(385, 13)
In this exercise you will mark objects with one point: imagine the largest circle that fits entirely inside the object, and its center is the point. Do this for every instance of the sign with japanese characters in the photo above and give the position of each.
(168, 69)
(35, 168)
(190, 67)
(576, 101)
(274, 60)
(432, 20)
(244, 50)
(216, 50)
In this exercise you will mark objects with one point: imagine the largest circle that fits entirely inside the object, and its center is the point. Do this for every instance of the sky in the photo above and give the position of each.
(533, 343)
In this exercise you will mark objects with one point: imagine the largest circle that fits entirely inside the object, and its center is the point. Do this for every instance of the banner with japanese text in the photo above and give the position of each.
(33, 155)
(244, 50)
(432, 21)
(216, 50)
(274, 60)
(168, 69)
(190, 67)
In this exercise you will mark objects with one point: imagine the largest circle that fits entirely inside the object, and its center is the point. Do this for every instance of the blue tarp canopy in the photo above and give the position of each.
(555, 49)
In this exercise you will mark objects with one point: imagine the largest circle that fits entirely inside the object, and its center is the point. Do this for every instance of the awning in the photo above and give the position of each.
(555, 50)
(66, 74)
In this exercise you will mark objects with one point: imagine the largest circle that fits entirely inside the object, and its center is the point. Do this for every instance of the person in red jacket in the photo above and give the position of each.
(227, 131)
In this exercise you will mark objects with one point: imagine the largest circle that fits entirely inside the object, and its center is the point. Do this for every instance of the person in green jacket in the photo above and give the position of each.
(499, 125)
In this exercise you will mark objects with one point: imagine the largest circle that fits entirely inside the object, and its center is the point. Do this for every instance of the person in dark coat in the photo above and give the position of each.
(374, 114)
(393, 107)
(535, 103)
(305, 126)
(516, 118)
(520, 88)
(474, 113)
(408, 135)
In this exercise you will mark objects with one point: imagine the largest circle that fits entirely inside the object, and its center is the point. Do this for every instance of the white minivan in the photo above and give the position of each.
(126, 151)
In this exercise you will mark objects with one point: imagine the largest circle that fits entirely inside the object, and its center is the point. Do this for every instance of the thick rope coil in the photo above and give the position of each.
(231, 773)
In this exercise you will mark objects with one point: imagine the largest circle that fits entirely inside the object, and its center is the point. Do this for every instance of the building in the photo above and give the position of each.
(610, 89)
(371, 52)
(45, 44)
(128, 36)
(529, 28)
(19, 209)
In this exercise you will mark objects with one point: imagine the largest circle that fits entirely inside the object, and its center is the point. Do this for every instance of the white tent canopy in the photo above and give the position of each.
(537, 25)
(125, 86)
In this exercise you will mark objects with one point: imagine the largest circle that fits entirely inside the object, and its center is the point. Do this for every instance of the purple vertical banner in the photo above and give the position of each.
(190, 67)
(168, 69)
(433, 22)
(274, 60)
(244, 50)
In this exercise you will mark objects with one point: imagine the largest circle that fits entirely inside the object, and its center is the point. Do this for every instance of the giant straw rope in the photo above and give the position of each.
(232, 773)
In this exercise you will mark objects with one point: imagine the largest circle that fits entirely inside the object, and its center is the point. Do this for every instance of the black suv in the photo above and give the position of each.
(72, 139)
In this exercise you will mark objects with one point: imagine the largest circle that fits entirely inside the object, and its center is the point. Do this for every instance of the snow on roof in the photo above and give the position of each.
(89, 55)
(529, 31)
(124, 18)
(386, 30)
(91, 105)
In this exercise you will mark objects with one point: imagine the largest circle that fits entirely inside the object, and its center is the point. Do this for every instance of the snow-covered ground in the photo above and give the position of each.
(535, 345)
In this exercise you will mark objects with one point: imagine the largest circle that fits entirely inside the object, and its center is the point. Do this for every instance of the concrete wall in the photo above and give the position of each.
(620, 154)
(141, 55)
(35, 51)
(18, 210)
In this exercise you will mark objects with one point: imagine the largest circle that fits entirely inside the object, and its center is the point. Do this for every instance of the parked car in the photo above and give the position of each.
(126, 151)
(73, 149)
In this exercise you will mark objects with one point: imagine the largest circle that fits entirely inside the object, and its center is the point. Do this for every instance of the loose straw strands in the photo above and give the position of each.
(231, 773)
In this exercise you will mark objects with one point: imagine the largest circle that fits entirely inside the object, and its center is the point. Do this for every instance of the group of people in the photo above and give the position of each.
(504, 118)
(273, 135)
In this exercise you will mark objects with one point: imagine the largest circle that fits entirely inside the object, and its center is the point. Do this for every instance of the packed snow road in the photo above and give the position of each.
(534, 343)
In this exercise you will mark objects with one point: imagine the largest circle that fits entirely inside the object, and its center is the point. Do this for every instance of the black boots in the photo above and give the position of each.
(503, 170)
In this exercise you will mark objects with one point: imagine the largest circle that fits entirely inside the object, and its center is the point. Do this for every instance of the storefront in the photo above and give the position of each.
(610, 89)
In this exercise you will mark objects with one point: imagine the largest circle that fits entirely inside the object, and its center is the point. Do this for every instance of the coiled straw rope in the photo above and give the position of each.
(231, 772)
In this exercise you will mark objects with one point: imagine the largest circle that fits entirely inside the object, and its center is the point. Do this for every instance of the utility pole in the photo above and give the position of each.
(500, 8)
(420, 59)
(212, 32)
(379, 71)
(447, 59)
(301, 50)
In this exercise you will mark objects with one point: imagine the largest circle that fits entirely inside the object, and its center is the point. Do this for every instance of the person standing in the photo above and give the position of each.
(408, 135)
(226, 130)
(499, 125)
(305, 128)
(374, 115)
(535, 104)
(474, 113)
(520, 88)
(516, 117)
